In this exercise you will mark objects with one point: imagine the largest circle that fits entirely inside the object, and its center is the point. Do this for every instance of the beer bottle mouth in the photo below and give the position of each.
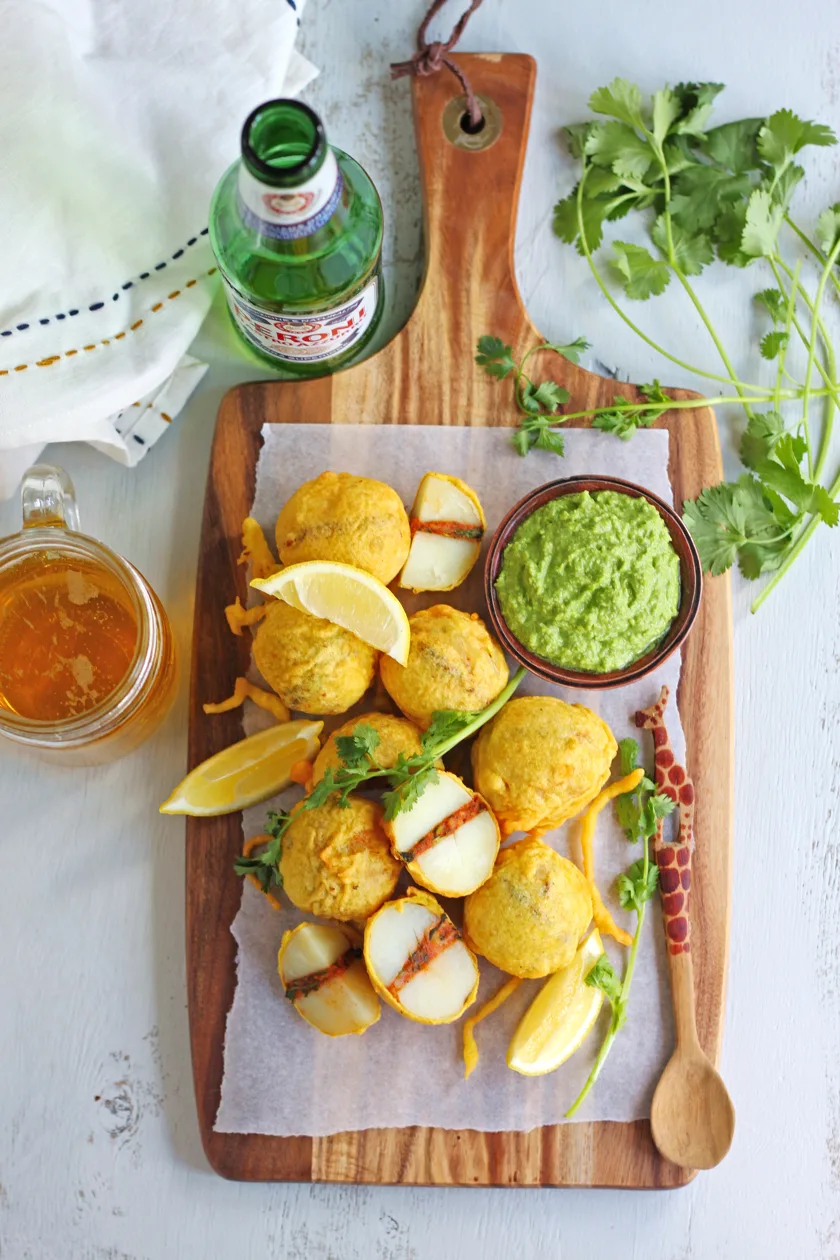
(283, 143)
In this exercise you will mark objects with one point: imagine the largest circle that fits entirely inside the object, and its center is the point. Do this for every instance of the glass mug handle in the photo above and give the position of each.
(47, 497)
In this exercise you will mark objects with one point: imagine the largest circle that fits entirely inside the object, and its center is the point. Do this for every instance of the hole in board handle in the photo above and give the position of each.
(462, 133)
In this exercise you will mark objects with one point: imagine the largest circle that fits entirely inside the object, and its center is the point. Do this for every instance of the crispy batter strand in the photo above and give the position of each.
(247, 848)
(603, 919)
(239, 617)
(301, 772)
(314, 981)
(244, 690)
(438, 937)
(447, 529)
(256, 549)
(445, 828)
(493, 1004)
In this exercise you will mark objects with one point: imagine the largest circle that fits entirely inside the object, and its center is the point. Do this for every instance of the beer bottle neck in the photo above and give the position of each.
(289, 185)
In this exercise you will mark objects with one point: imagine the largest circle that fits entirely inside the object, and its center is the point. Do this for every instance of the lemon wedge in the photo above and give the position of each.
(560, 1017)
(347, 596)
(245, 773)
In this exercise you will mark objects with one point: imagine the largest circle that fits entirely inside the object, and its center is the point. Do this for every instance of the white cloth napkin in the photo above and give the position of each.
(116, 122)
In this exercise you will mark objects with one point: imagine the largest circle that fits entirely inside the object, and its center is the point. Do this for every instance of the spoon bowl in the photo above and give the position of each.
(692, 1117)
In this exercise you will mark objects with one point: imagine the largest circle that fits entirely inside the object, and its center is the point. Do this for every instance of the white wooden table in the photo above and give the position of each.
(99, 1149)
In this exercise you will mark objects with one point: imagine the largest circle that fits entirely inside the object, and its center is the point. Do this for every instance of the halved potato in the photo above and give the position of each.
(447, 525)
(417, 960)
(448, 839)
(324, 976)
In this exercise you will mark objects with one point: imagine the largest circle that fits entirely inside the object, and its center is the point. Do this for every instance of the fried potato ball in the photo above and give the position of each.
(313, 665)
(337, 862)
(453, 663)
(529, 917)
(353, 520)
(396, 735)
(540, 761)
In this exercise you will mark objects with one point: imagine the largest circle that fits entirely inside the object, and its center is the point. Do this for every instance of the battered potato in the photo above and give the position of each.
(337, 862)
(353, 520)
(540, 761)
(396, 735)
(313, 665)
(529, 917)
(453, 663)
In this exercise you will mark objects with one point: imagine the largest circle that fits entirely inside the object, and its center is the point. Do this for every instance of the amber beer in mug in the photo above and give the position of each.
(87, 658)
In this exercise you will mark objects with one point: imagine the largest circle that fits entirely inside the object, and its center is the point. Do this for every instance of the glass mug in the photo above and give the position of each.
(88, 667)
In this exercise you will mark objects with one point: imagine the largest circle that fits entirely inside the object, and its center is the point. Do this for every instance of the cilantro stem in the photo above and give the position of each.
(687, 404)
(806, 240)
(620, 1007)
(796, 548)
(812, 345)
(829, 376)
(780, 371)
(480, 718)
(711, 376)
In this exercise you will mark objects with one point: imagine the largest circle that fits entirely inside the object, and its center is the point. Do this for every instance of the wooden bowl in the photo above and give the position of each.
(690, 574)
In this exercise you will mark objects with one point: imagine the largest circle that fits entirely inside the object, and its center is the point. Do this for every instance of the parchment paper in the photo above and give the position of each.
(282, 1077)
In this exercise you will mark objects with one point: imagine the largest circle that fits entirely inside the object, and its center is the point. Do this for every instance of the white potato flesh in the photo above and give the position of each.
(439, 991)
(463, 861)
(437, 563)
(345, 1004)
(439, 499)
(312, 947)
(393, 934)
(440, 798)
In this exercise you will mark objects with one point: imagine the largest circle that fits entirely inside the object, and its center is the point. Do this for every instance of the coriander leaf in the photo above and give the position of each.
(406, 790)
(784, 134)
(620, 100)
(771, 344)
(444, 724)
(549, 439)
(691, 252)
(761, 226)
(593, 213)
(666, 110)
(734, 520)
(620, 148)
(786, 184)
(643, 275)
(760, 437)
(660, 805)
(600, 182)
(773, 300)
(623, 420)
(733, 146)
(628, 752)
(550, 395)
(495, 357)
(828, 228)
(678, 155)
(572, 351)
(696, 103)
(782, 474)
(791, 450)
(825, 506)
(527, 398)
(637, 886)
(577, 134)
(727, 233)
(602, 976)
(356, 750)
(701, 193)
(523, 441)
(277, 822)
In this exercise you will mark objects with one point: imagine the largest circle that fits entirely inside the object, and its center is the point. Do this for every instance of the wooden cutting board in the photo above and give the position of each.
(426, 375)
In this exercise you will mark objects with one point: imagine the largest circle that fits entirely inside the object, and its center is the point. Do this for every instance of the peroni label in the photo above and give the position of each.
(314, 337)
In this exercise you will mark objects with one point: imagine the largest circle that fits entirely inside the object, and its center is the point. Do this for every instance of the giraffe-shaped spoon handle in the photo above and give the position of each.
(692, 1117)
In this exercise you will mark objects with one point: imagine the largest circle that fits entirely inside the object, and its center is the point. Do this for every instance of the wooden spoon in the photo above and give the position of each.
(691, 1117)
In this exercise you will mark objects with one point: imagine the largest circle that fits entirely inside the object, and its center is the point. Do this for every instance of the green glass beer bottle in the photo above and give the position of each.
(296, 227)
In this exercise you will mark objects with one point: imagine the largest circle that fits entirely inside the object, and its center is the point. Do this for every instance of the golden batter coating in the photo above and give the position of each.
(453, 663)
(337, 862)
(396, 735)
(314, 666)
(529, 917)
(540, 761)
(349, 519)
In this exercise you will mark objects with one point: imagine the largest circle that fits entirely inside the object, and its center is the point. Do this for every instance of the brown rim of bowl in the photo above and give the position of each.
(691, 581)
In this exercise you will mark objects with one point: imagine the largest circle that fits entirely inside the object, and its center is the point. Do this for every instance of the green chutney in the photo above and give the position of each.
(590, 581)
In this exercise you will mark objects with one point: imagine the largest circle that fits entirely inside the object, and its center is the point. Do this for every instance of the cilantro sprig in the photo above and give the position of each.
(358, 766)
(712, 193)
(638, 813)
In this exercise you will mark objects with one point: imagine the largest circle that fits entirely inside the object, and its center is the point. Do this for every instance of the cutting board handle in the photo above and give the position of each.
(470, 195)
